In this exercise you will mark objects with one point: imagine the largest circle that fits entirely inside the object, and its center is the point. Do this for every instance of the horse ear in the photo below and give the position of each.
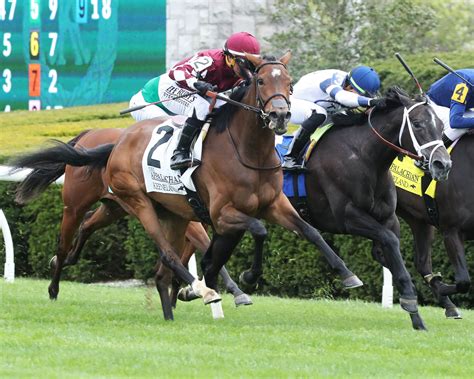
(256, 61)
(286, 58)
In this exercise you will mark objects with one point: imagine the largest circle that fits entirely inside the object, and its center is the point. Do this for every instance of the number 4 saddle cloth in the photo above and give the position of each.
(158, 175)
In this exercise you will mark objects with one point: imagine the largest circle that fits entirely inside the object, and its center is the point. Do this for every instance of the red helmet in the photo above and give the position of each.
(241, 43)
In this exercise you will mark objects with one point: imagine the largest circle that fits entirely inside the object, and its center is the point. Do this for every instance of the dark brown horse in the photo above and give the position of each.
(455, 204)
(350, 189)
(82, 189)
(239, 181)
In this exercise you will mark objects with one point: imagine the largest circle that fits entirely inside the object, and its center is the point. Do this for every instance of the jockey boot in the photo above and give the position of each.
(300, 140)
(447, 141)
(181, 156)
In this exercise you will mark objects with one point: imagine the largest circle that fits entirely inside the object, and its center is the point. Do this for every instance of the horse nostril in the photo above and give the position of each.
(442, 165)
(279, 115)
(273, 116)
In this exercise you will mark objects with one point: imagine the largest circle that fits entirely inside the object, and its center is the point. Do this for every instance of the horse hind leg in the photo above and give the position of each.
(106, 214)
(423, 237)
(163, 279)
(69, 224)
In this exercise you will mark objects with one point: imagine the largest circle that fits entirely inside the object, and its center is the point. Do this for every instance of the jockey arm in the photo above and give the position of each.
(187, 73)
(458, 108)
(343, 97)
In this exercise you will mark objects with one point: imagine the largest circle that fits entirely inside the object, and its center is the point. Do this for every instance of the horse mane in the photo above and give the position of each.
(220, 117)
(394, 93)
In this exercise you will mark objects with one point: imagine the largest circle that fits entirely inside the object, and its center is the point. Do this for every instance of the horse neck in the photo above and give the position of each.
(253, 141)
(378, 152)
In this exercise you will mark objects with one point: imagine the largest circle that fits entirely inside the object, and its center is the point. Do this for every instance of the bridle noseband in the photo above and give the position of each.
(419, 148)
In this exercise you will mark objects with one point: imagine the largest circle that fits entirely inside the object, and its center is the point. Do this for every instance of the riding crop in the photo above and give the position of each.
(445, 66)
(410, 72)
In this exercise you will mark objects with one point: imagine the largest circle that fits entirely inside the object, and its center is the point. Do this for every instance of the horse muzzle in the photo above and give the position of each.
(440, 165)
(278, 121)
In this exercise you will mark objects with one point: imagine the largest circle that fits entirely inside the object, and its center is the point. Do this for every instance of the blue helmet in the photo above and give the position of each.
(364, 80)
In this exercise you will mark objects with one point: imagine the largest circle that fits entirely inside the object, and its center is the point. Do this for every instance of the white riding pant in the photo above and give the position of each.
(443, 115)
(146, 113)
(301, 110)
(185, 106)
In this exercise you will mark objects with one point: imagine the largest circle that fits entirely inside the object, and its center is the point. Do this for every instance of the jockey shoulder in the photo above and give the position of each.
(221, 68)
(349, 89)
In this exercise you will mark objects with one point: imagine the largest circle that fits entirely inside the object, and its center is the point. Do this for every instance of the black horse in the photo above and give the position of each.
(350, 189)
(455, 205)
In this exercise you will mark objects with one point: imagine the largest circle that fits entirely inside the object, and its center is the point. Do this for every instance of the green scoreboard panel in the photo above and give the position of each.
(63, 53)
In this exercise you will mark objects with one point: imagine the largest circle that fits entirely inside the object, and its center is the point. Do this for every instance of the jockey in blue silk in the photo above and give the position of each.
(320, 94)
(453, 101)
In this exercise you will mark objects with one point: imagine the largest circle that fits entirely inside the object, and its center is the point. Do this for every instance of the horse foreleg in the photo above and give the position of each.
(281, 212)
(361, 223)
(218, 254)
(199, 239)
(423, 237)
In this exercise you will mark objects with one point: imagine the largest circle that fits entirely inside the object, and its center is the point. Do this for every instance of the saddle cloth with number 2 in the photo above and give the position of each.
(158, 175)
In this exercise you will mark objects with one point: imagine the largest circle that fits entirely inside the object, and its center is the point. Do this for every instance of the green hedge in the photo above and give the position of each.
(426, 71)
(292, 266)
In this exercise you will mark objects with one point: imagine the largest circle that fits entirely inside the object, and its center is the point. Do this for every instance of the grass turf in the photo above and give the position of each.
(94, 331)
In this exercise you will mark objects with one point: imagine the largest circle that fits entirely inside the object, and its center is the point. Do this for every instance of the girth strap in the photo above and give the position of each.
(430, 203)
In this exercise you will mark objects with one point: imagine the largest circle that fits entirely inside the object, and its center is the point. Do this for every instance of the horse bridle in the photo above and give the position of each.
(262, 104)
(264, 116)
(419, 148)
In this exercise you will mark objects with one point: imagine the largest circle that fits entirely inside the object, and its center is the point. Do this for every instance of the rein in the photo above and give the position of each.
(263, 115)
(406, 121)
(239, 158)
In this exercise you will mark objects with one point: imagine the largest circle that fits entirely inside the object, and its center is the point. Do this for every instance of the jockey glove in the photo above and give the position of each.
(203, 87)
(377, 102)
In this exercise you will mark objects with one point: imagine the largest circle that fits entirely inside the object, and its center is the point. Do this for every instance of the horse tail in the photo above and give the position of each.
(49, 164)
(39, 179)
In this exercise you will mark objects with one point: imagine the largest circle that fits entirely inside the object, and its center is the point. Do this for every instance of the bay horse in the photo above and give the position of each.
(350, 189)
(455, 207)
(239, 181)
(81, 190)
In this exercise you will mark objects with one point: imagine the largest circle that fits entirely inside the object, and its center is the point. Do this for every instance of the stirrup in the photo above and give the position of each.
(289, 164)
(179, 160)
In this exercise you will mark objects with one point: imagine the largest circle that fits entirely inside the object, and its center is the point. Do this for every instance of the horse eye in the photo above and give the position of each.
(260, 82)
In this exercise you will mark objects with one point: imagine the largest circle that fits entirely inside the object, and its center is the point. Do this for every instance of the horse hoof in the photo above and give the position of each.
(453, 313)
(211, 296)
(187, 294)
(417, 322)
(242, 299)
(352, 282)
(409, 305)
